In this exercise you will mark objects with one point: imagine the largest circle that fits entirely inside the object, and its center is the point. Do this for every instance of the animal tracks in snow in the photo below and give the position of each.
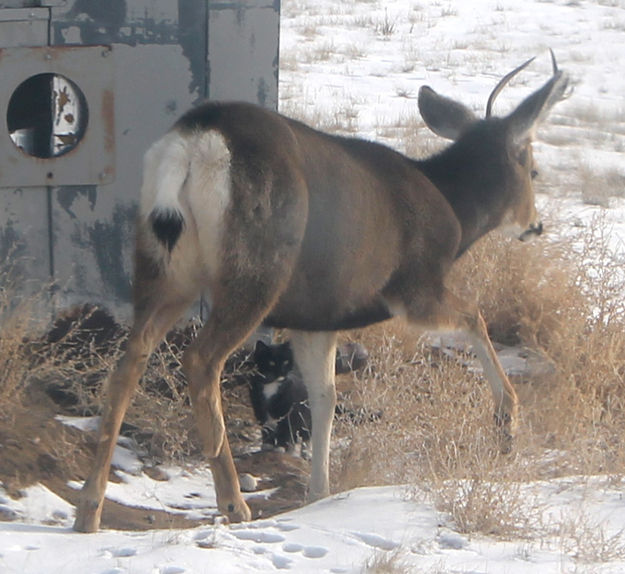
(130, 552)
(307, 551)
(284, 542)
(314, 551)
(332, 536)
(376, 541)
(271, 538)
(258, 536)
(169, 569)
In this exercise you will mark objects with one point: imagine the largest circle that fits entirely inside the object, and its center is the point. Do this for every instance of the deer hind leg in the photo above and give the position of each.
(449, 312)
(236, 310)
(315, 355)
(149, 328)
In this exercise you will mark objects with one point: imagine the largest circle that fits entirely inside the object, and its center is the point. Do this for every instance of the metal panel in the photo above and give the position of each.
(75, 229)
(92, 160)
(21, 27)
(24, 241)
(25, 265)
(243, 51)
(23, 15)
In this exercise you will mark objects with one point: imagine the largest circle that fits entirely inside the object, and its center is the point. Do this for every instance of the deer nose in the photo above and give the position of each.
(532, 231)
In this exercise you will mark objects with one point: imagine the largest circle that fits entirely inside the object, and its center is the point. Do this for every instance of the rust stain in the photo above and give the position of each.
(108, 120)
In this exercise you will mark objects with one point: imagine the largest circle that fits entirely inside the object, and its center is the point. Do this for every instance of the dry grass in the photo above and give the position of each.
(598, 187)
(492, 508)
(71, 363)
(388, 562)
(18, 314)
(588, 542)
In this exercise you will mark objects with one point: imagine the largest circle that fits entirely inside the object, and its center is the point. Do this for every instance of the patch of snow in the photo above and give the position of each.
(86, 424)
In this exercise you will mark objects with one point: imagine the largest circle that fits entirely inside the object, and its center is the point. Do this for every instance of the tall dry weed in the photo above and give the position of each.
(18, 316)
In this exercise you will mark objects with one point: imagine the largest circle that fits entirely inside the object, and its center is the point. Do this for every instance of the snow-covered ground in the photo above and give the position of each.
(357, 65)
(581, 517)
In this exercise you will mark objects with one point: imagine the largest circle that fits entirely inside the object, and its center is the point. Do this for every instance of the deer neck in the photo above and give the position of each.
(473, 190)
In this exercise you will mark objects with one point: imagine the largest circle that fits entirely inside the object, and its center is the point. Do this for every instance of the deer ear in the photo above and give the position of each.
(444, 116)
(526, 117)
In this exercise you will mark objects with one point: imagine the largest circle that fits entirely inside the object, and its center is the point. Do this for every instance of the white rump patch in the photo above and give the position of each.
(208, 190)
(165, 169)
(189, 174)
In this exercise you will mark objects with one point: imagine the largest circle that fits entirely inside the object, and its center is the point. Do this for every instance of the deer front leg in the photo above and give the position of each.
(467, 317)
(315, 355)
(504, 395)
(450, 313)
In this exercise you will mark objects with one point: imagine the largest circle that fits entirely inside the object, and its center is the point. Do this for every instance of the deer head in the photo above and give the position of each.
(492, 155)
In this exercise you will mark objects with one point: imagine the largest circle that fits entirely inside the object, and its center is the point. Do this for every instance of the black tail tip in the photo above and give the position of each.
(167, 226)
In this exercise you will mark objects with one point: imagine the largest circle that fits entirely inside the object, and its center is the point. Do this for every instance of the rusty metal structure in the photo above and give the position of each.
(86, 86)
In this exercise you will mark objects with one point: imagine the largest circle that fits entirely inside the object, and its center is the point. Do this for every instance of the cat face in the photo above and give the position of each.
(273, 362)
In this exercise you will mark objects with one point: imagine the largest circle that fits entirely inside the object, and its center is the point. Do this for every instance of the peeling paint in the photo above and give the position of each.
(67, 195)
(11, 243)
(108, 240)
(15, 262)
(111, 22)
(97, 22)
(108, 120)
(192, 30)
(262, 92)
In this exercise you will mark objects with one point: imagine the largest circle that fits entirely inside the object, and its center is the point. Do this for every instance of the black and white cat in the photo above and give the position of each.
(279, 397)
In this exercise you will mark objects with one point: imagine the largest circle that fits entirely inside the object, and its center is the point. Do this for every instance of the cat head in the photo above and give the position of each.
(273, 361)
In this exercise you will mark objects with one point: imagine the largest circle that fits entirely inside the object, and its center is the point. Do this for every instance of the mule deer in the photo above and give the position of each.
(279, 223)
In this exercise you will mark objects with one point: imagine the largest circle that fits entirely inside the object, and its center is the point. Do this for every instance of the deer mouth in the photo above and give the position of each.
(534, 230)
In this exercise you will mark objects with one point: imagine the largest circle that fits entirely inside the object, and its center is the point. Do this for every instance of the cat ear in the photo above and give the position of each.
(260, 346)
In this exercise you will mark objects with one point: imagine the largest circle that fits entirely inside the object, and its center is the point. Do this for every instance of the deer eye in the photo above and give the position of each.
(534, 174)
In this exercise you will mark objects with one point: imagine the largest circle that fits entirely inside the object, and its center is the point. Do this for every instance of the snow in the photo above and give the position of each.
(359, 64)
(336, 535)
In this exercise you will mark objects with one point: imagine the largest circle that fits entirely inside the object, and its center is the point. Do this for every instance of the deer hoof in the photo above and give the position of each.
(238, 512)
(506, 442)
(505, 437)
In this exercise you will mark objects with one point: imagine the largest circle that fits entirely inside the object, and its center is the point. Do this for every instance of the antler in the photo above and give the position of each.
(554, 64)
(502, 83)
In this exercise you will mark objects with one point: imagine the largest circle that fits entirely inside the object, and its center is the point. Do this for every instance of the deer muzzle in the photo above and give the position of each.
(532, 231)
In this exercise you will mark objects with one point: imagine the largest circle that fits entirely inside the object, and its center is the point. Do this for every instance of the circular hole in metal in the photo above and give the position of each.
(47, 115)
